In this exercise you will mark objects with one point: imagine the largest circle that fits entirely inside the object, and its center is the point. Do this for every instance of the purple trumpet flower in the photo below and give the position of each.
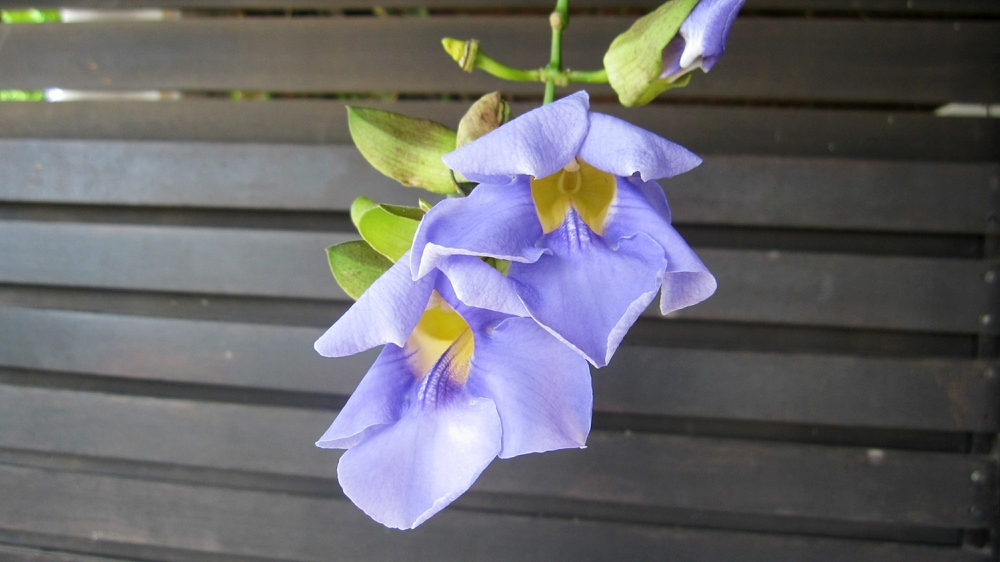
(702, 38)
(567, 196)
(464, 377)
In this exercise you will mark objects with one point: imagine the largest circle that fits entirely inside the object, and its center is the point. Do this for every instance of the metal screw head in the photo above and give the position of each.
(989, 373)
(985, 319)
(990, 276)
(978, 476)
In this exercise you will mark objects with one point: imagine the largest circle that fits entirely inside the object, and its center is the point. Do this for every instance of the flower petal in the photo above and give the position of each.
(541, 388)
(406, 472)
(385, 313)
(537, 143)
(477, 284)
(638, 208)
(499, 221)
(620, 148)
(705, 31)
(588, 293)
(380, 399)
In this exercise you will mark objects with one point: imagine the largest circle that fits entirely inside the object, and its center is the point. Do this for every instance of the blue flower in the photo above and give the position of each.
(567, 196)
(464, 377)
(702, 38)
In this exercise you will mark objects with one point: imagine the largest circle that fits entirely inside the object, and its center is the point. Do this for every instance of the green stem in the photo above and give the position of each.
(499, 70)
(558, 20)
(588, 76)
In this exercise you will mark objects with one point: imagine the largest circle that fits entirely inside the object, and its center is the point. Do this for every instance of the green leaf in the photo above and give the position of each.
(634, 60)
(22, 95)
(29, 16)
(488, 113)
(388, 228)
(355, 266)
(406, 149)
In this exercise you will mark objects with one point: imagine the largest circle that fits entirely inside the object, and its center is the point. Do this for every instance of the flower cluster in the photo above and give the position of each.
(479, 364)
(490, 305)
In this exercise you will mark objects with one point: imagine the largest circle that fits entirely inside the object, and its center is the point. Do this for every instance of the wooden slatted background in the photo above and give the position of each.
(162, 278)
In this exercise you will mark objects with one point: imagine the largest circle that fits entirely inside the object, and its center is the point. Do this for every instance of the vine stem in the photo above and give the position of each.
(558, 21)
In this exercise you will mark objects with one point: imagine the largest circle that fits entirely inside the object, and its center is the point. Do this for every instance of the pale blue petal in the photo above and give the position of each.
(386, 313)
(380, 399)
(537, 143)
(406, 472)
(706, 30)
(541, 388)
(672, 59)
(477, 284)
(620, 148)
(499, 221)
(638, 208)
(587, 292)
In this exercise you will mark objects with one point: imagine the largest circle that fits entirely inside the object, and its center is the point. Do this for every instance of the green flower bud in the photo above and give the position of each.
(634, 62)
(488, 113)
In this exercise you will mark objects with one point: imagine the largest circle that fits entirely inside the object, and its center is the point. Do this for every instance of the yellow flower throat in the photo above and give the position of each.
(578, 185)
(441, 330)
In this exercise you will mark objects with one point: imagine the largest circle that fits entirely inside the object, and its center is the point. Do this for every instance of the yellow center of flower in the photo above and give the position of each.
(441, 331)
(578, 185)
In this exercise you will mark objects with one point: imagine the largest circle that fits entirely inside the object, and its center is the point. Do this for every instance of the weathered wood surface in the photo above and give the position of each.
(935, 7)
(731, 190)
(941, 394)
(789, 287)
(930, 489)
(869, 133)
(906, 61)
(236, 522)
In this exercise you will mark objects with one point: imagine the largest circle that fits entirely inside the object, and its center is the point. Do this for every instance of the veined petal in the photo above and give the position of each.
(499, 221)
(537, 143)
(620, 148)
(686, 280)
(477, 284)
(705, 31)
(587, 292)
(541, 388)
(385, 313)
(380, 399)
(406, 472)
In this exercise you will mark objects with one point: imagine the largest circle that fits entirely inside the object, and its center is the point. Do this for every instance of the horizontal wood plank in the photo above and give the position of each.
(222, 521)
(773, 287)
(931, 489)
(936, 7)
(870, 134)
(906, 61)
(938, 395)
(727, 190)
(19, 554)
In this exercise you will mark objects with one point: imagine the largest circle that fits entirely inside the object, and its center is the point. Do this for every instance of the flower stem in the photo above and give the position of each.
(558, 21)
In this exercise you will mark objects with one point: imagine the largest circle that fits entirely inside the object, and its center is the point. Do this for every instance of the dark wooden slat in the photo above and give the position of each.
(746, 191)
(282, 526)
(940, 395)
(791, 288)
(931, 489)
(906, 293)
(193, 175)
(704, 129)
(171, 259)
(906, 61)
(956, 7)
(18, 554)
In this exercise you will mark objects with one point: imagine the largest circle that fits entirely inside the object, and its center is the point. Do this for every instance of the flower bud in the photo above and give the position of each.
(487, 114)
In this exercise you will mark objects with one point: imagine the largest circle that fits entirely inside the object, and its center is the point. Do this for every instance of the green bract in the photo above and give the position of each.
(488, 113)
(406, 149)
(389, 229)
(356, 265)
(634, 60)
